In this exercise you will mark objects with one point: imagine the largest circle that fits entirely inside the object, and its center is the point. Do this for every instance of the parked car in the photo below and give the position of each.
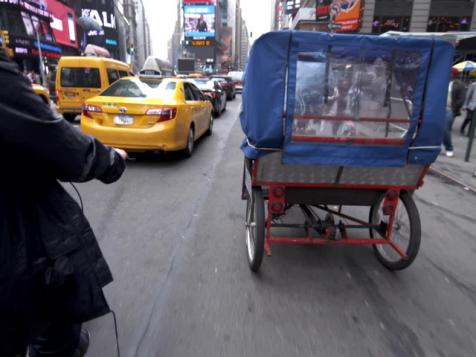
(237, 77)
(215, 92)
(80, 78)
(227, 84)
(133, 116)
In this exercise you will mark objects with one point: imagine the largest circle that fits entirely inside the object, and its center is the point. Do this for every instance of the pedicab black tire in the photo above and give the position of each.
(415, 232)
(259, 219)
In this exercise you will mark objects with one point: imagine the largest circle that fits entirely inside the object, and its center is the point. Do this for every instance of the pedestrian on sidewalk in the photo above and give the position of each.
(469, 106)
(456, 96)
(52, 270)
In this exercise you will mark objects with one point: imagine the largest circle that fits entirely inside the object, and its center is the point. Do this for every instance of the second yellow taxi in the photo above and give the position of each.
(137, 116)
(42, 92)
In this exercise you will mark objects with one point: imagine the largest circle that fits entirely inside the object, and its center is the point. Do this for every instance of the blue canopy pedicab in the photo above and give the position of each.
(340, 120)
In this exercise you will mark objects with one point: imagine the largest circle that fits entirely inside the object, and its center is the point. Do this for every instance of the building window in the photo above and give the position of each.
(383, 24)
(447, 23)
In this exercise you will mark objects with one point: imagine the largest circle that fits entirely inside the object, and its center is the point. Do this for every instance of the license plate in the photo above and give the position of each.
(123, 120)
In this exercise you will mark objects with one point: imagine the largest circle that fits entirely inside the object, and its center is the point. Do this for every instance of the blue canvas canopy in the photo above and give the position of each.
(406, 78)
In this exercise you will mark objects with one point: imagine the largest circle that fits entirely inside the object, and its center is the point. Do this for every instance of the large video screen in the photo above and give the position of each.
(199, 21)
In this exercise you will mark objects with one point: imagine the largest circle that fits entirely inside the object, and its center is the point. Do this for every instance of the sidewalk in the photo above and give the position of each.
(455, 168)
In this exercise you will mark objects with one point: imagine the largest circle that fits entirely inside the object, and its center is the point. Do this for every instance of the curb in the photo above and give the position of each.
(453, 179)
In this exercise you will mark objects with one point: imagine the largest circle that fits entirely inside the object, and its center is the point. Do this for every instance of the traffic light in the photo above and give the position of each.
(5, 39)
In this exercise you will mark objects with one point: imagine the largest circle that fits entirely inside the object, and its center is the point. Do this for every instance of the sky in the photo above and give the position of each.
(257, 14)
(162, 15)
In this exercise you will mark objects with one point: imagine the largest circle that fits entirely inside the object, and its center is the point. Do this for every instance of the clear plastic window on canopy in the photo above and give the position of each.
(349, 94)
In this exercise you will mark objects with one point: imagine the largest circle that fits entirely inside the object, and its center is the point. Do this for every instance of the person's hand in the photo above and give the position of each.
(121, 153)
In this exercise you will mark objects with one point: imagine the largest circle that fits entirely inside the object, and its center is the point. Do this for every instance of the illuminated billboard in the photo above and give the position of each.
(345, 13)
(199, 21)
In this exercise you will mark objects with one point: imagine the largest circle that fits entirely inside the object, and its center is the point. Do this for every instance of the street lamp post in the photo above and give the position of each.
(42, 65)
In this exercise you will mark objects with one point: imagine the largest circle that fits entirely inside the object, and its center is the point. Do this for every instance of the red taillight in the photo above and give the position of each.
(163, 114)
(88, 109)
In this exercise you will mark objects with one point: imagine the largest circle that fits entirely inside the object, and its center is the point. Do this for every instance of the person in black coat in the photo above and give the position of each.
(52, 270)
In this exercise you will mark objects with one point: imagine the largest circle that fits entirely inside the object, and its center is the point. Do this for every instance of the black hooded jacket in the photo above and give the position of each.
(51, 266)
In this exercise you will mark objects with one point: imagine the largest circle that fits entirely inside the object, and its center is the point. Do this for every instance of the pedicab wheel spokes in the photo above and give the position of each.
(406, 232)
(255, 228)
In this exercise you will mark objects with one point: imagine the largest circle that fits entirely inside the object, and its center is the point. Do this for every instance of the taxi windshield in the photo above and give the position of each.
(132, 88)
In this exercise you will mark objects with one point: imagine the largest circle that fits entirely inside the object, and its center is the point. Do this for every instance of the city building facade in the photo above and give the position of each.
(137, 37)
(379, 16)
(30, 35)
(175, 42)
(244, 46)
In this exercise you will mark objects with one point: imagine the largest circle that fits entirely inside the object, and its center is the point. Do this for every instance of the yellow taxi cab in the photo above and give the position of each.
(135, 116)
(196, 75)
(42, 92)
(80, 78)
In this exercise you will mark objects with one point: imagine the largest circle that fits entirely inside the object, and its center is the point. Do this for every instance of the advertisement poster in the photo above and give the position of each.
(344, 13)
(226, 43)
(199, 21)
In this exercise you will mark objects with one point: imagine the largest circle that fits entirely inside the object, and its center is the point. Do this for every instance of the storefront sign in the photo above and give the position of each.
(63, 23)
(202, 43)
(45, 46)
(103, 18)
(102, 12)
(24, 46)
(345, 13)
(47, 54)
(292, 6)
(28, 6)
(111, 42)
(21, 51)
(22, 42)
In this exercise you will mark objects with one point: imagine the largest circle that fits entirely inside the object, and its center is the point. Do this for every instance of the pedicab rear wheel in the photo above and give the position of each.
(406, 232)
(255, 228)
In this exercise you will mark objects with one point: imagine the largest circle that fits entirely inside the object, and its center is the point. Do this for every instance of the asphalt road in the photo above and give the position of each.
(172, 231)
